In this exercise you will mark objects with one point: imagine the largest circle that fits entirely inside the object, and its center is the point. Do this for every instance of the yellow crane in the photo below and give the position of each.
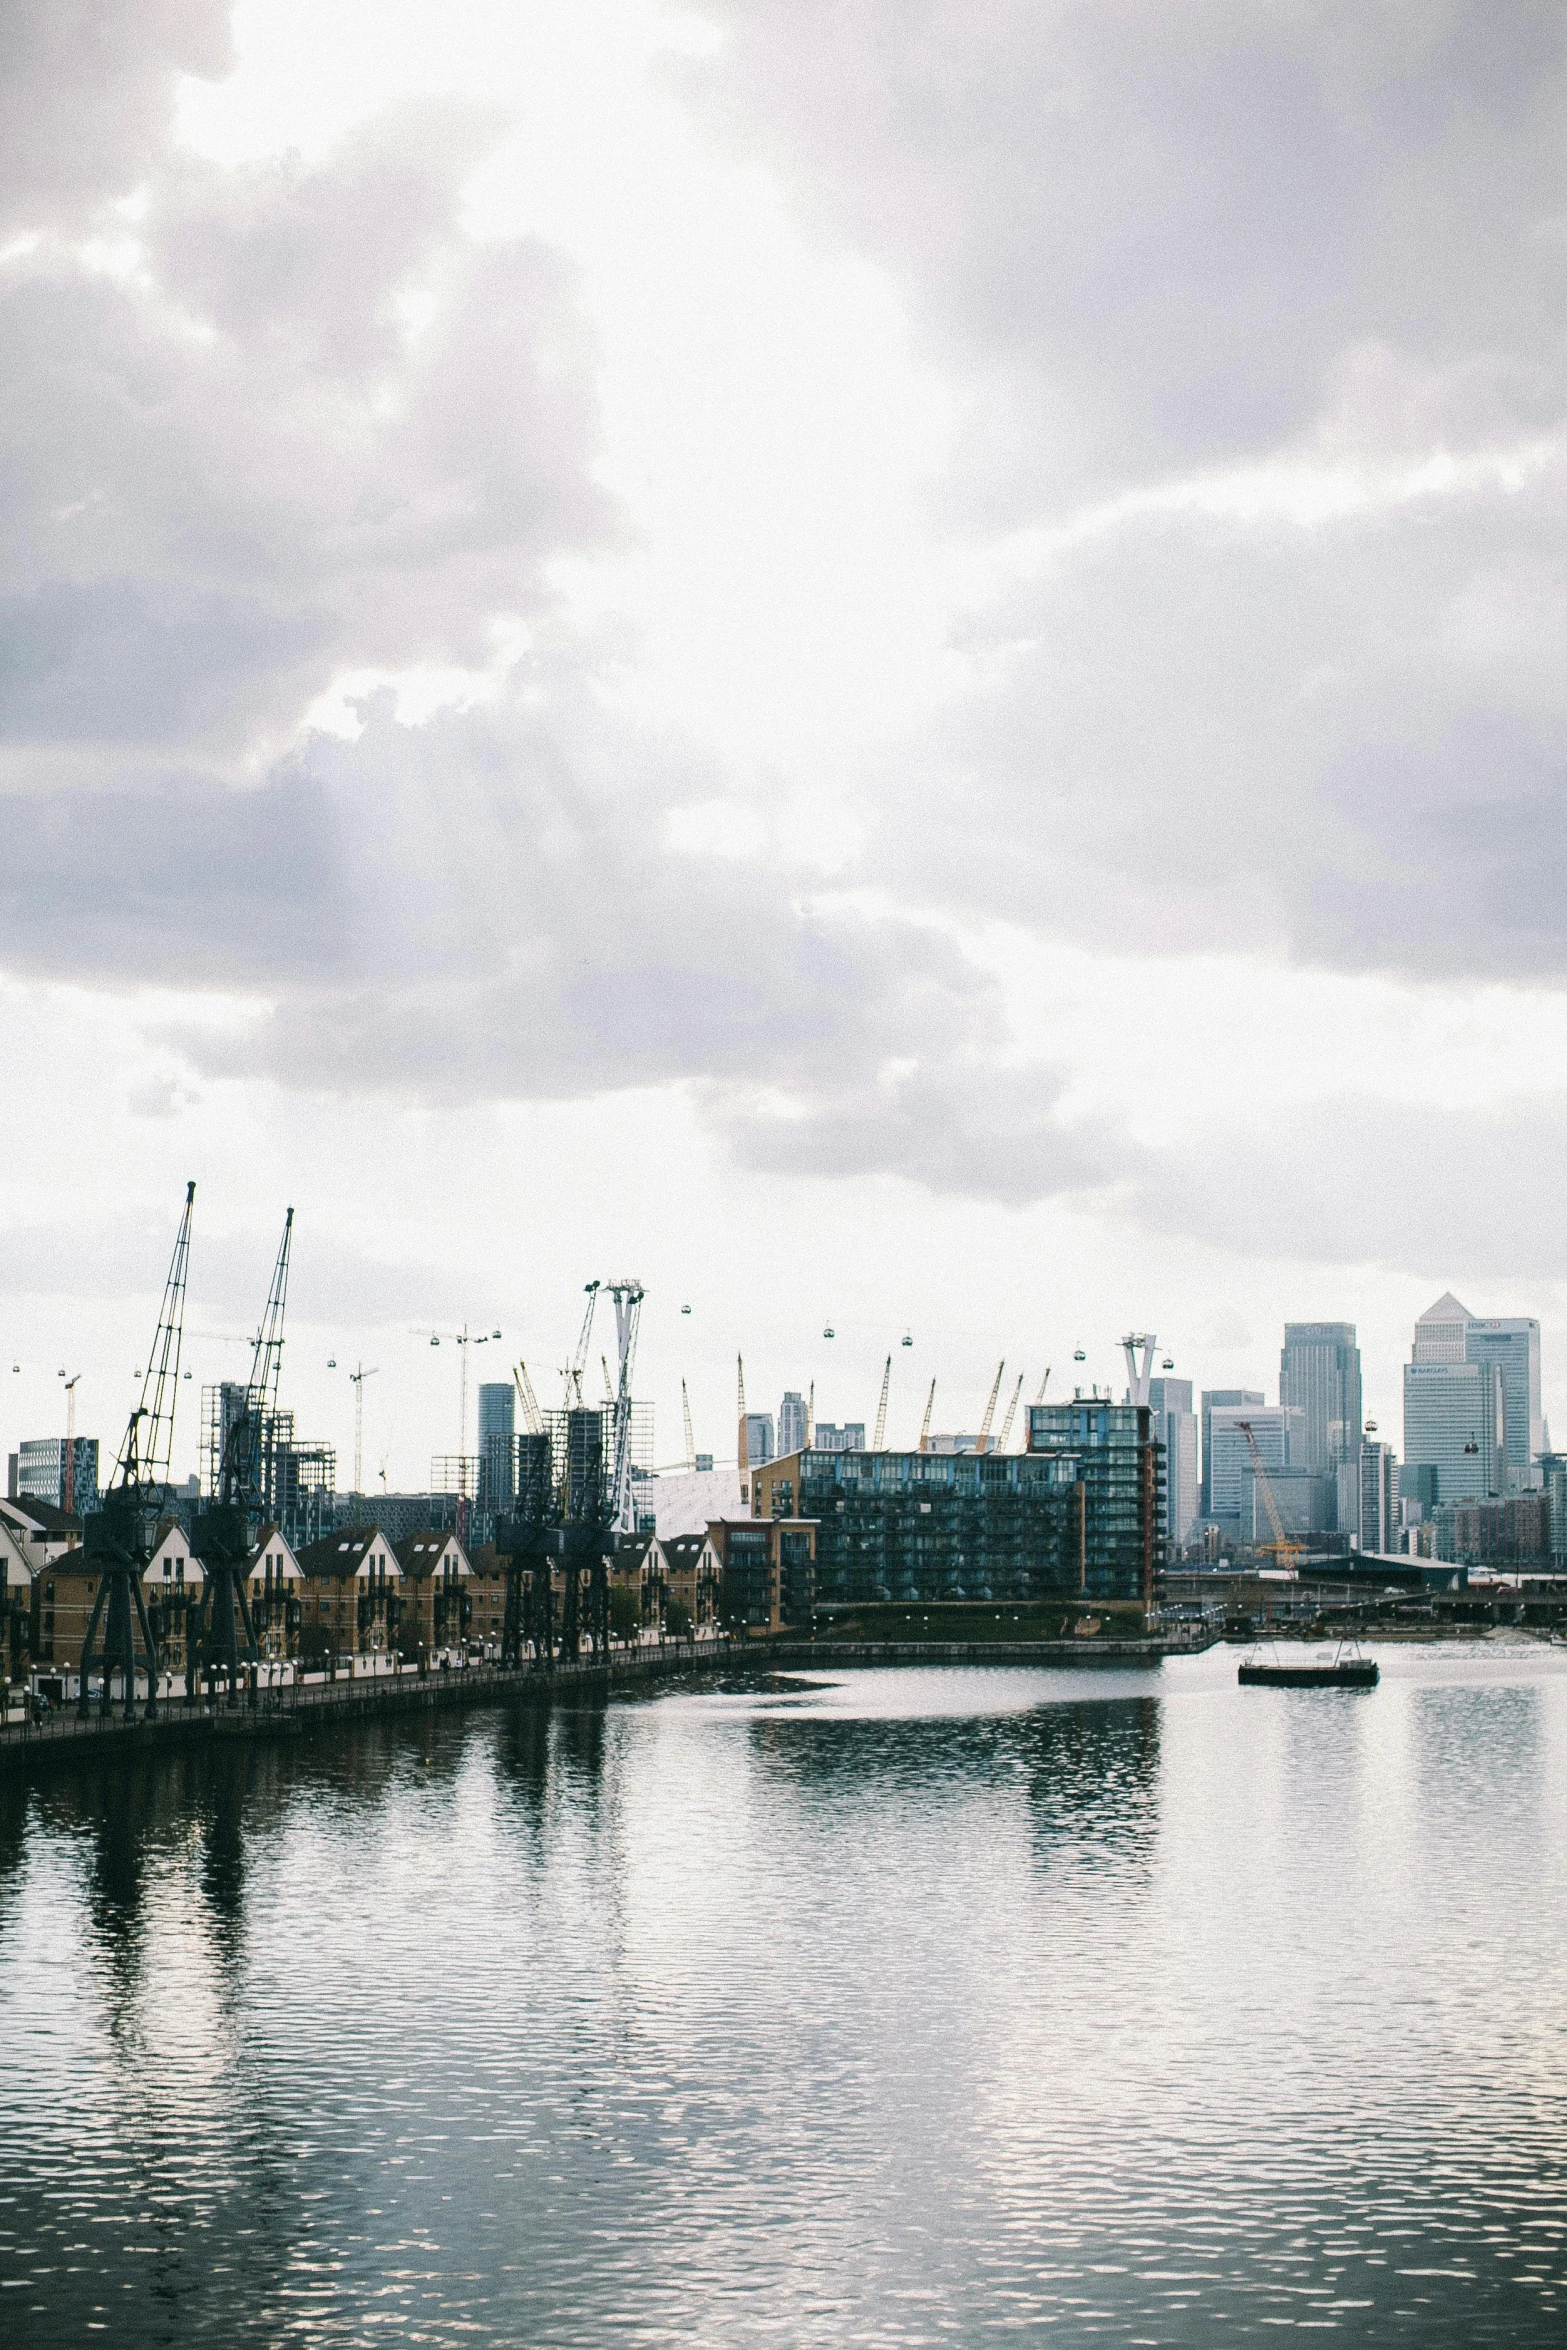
(930, 1405)
(1006, 1425)
(1284, 1549)
(990, 1408)
(530, 1402)
(685, 1406)
(881, 1409)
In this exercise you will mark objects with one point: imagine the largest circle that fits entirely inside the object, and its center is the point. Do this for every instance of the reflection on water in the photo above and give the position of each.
(905, 2008)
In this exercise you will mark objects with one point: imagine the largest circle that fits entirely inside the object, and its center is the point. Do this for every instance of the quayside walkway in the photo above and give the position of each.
(295, 1709)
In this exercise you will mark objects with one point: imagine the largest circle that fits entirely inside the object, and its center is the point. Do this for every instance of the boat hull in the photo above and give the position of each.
(1353, 1673)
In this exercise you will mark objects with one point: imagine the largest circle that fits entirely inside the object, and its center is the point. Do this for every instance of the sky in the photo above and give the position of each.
(893, 665)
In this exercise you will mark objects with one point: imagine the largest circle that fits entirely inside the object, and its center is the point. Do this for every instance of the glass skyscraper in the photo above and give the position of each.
(1455, 1402)
(1319, 1375)
(1175, 1427)
(497, 1445)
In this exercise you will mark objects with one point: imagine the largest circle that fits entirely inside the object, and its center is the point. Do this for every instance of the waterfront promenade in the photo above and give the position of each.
(299, 1708)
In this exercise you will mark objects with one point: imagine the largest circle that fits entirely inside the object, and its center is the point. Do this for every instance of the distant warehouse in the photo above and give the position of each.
(1080, 1514)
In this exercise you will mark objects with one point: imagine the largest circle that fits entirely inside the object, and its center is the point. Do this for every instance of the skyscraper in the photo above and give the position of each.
(791, 1424)
(497, 1445)
(1319, 1374)
(1454, 1407)
(1213, 1398)
(1175, 1427)
(758, 1438)
(1513, 1345)
(1376, 1526)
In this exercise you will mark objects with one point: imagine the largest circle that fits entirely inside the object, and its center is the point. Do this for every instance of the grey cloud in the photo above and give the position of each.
(229, 483)
(976, 1130)
(1453, 1194)
(87, 97)
(1151, 236)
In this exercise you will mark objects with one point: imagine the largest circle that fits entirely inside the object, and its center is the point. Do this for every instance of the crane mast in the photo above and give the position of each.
(118, 1538)
(881, 1409)
(1284, 1550)
(685, 1406)
(930, 1405)
(1006, 1426)
(627, 1297)
(990, 1408)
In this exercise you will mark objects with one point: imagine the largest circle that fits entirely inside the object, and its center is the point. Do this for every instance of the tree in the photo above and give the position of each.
(625, 1612)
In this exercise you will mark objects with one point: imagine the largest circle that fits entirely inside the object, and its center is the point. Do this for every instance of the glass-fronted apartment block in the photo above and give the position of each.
(768, 1572)
(1319, 1374)
(926, 1526)
(1119, 1464)
(1376, 1520)
(759, 1446)
(40, 1472)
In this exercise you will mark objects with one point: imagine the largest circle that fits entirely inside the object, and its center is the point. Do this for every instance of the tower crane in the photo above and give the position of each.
(1283, 1548)
(1006, 1426)
(530, 1402)
(744, 1446)
(68, 1467)
(685, 1406)
(579, 1361)
(930, 1405)
(990, 1408)
(356, 1380)
(118, 1537)
(879, 1439)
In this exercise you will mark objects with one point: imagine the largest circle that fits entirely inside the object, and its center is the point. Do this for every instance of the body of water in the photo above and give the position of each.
(917, 2007)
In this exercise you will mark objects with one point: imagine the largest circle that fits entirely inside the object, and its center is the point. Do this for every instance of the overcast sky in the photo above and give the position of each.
(893, 663)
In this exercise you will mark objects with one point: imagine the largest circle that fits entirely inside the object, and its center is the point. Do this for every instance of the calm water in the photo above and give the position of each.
(932, 2006)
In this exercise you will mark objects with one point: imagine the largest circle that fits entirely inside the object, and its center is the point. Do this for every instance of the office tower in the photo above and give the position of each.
(1319, 1374)
(1276, 1428)
(40, 1472)
(497, 1445)
(758, 1438)
(1175, 1427)
(1513, 1345)
(791, 1424)
(1455, 1423)
(1212, 1398)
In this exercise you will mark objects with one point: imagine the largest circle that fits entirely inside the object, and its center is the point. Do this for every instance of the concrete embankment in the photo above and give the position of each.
(302, 1708)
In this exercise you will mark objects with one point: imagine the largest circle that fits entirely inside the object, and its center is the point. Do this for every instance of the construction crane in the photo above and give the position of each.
(530, 1402)
(1006, 1426)
(579, 1361)
(1283, 1548)
(990, 1408)
(356, 1380)
(930, 1405)
(118, 1537)
(879, 1439)
(685, 1406)
(247, 1495)
(609, 1384)
(68, 1466)
(1139, 1376)
(810, 1416)
(744, 1450)
(627, 1296)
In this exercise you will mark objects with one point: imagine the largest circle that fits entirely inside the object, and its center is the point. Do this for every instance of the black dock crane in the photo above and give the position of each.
(226, 1530)
(118, 1537)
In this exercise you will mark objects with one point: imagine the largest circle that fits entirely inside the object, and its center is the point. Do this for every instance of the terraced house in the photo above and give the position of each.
(437, 1592)
(352, 1591)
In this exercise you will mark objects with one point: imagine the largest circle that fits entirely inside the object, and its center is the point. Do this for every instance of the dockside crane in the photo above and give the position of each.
(878, 1440)
(990, 1408)
(118, 1537)
(579, 1361)
(226, 1531)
